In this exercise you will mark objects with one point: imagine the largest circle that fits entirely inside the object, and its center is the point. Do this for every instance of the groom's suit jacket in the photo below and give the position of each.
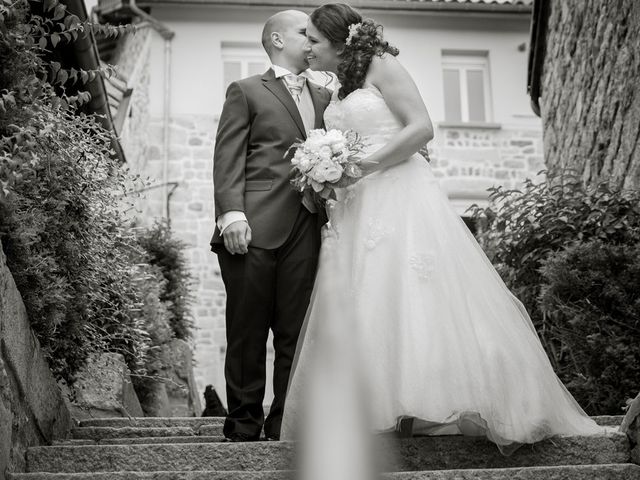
(258, 124)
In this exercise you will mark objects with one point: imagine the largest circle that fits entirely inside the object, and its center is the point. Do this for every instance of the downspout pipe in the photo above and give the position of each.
(537, 51)
(86, 53)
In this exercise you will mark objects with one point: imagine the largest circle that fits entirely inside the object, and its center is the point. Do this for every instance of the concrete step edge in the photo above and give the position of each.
(604, 420)
(421, 453)
(142, 440)
(151, 421)
(582, 472)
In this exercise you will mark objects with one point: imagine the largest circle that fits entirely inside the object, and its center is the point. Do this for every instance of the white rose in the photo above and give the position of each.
(312, 145)
(338, 147)
(326, 171)
(334, 136)
(325, 153)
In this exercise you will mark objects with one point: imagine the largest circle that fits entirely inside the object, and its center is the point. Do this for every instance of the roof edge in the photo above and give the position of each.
(86, 53)
(537, 51)
(380, 5)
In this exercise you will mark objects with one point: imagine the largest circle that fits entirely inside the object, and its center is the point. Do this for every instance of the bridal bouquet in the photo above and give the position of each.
(326, 160)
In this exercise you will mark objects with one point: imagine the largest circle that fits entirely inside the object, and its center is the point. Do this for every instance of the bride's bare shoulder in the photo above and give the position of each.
(384, 68)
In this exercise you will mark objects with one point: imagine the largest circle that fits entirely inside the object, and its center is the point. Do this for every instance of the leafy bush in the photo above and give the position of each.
(590, 301)
(532, 236)
(166, 253)
(75, 257)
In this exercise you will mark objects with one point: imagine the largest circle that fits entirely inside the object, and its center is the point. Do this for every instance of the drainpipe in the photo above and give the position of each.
(87, 58)
(167, 35)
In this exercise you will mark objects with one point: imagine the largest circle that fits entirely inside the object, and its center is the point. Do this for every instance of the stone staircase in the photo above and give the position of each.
(193, 449)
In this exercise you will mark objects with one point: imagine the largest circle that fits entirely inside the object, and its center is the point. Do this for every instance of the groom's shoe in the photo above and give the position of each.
(272, 438)
(241, 437)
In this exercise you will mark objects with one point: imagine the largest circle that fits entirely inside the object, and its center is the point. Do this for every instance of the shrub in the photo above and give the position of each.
(590, 302)
(523, 230)
(166, 253)
(77, 261)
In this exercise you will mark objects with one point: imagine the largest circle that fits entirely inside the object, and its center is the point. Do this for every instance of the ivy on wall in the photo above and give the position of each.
(86, 275)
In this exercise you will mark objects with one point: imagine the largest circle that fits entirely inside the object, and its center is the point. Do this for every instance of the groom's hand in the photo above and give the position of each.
(237, 237)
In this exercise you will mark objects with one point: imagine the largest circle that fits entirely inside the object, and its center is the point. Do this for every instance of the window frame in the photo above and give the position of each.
(243, 53)
(464, 61)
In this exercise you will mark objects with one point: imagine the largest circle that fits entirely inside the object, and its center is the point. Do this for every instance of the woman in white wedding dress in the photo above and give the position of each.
(404, 294)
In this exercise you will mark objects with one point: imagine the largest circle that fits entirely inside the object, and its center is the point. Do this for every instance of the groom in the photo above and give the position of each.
(267, 236)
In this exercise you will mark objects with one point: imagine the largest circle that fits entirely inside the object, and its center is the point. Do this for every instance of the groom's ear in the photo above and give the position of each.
(277, 40)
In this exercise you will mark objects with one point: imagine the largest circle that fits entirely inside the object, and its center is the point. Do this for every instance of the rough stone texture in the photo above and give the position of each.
(631, 427)
(32, 409)
(429, 453)
(144, 440)
(149, 422)
(184, 399)
(103, 389)
(580, 472)
(470, 160)
(99, 433)
(6, 420)
(132, 59)
(465, 452)
(590, 92)
(609, 420)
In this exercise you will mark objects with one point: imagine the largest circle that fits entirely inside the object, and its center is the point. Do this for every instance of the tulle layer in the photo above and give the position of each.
(407, 299)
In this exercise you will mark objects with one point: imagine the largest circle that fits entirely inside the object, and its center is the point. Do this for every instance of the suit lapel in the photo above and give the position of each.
(319, 103)
(278, 88)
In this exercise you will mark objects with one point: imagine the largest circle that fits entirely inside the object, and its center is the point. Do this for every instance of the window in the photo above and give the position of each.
(240, 60)
(466, 86)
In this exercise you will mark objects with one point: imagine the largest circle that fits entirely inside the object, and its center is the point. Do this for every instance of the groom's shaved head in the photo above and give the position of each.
(279, 23)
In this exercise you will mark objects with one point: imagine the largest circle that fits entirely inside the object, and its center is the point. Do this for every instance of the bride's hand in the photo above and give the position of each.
(368, 166)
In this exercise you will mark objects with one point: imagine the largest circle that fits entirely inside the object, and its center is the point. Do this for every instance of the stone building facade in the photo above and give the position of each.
(583, 75)
(469, 157)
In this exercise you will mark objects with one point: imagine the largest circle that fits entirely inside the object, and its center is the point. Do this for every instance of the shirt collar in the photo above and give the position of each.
(281, 72)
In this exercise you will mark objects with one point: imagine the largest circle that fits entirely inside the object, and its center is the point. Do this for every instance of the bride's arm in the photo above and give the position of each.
(403, 99)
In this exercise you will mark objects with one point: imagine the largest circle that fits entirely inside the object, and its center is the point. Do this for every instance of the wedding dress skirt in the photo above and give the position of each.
(408, 311)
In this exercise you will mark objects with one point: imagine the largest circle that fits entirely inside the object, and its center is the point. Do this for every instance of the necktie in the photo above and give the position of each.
(295, 84)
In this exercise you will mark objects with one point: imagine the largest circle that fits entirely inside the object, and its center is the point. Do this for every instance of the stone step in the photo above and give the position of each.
(153, 422)
(101, 433)
(414, 454)
(142, 440)
(567, 472)
(103, 428)
(609, 420)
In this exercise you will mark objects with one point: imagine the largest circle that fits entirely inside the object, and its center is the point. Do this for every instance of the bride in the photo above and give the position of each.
(405, 299)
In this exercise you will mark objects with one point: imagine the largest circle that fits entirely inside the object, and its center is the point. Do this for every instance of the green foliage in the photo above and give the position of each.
(590, 301)
(166, 253)
(76, 259)
(524, 230)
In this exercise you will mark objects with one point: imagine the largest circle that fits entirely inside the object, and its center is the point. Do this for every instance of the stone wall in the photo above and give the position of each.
(191, 213)
(590, 91)
(32, 409)
(132, 59)
(470, 160)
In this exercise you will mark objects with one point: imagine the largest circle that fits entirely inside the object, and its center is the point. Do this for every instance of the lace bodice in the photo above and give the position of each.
(365, 112)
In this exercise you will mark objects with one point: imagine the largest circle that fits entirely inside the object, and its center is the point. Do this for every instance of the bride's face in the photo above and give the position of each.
(321, 54)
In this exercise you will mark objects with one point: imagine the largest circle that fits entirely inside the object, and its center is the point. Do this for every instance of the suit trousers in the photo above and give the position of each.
(266, 289)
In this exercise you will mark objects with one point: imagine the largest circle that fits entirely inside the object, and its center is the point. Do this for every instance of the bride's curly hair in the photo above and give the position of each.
(333, 21)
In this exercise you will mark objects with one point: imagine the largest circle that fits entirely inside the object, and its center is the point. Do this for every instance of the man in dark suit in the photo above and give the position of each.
(267, 236)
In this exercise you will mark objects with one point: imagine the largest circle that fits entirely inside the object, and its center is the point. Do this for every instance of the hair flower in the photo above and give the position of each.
(353, 31)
